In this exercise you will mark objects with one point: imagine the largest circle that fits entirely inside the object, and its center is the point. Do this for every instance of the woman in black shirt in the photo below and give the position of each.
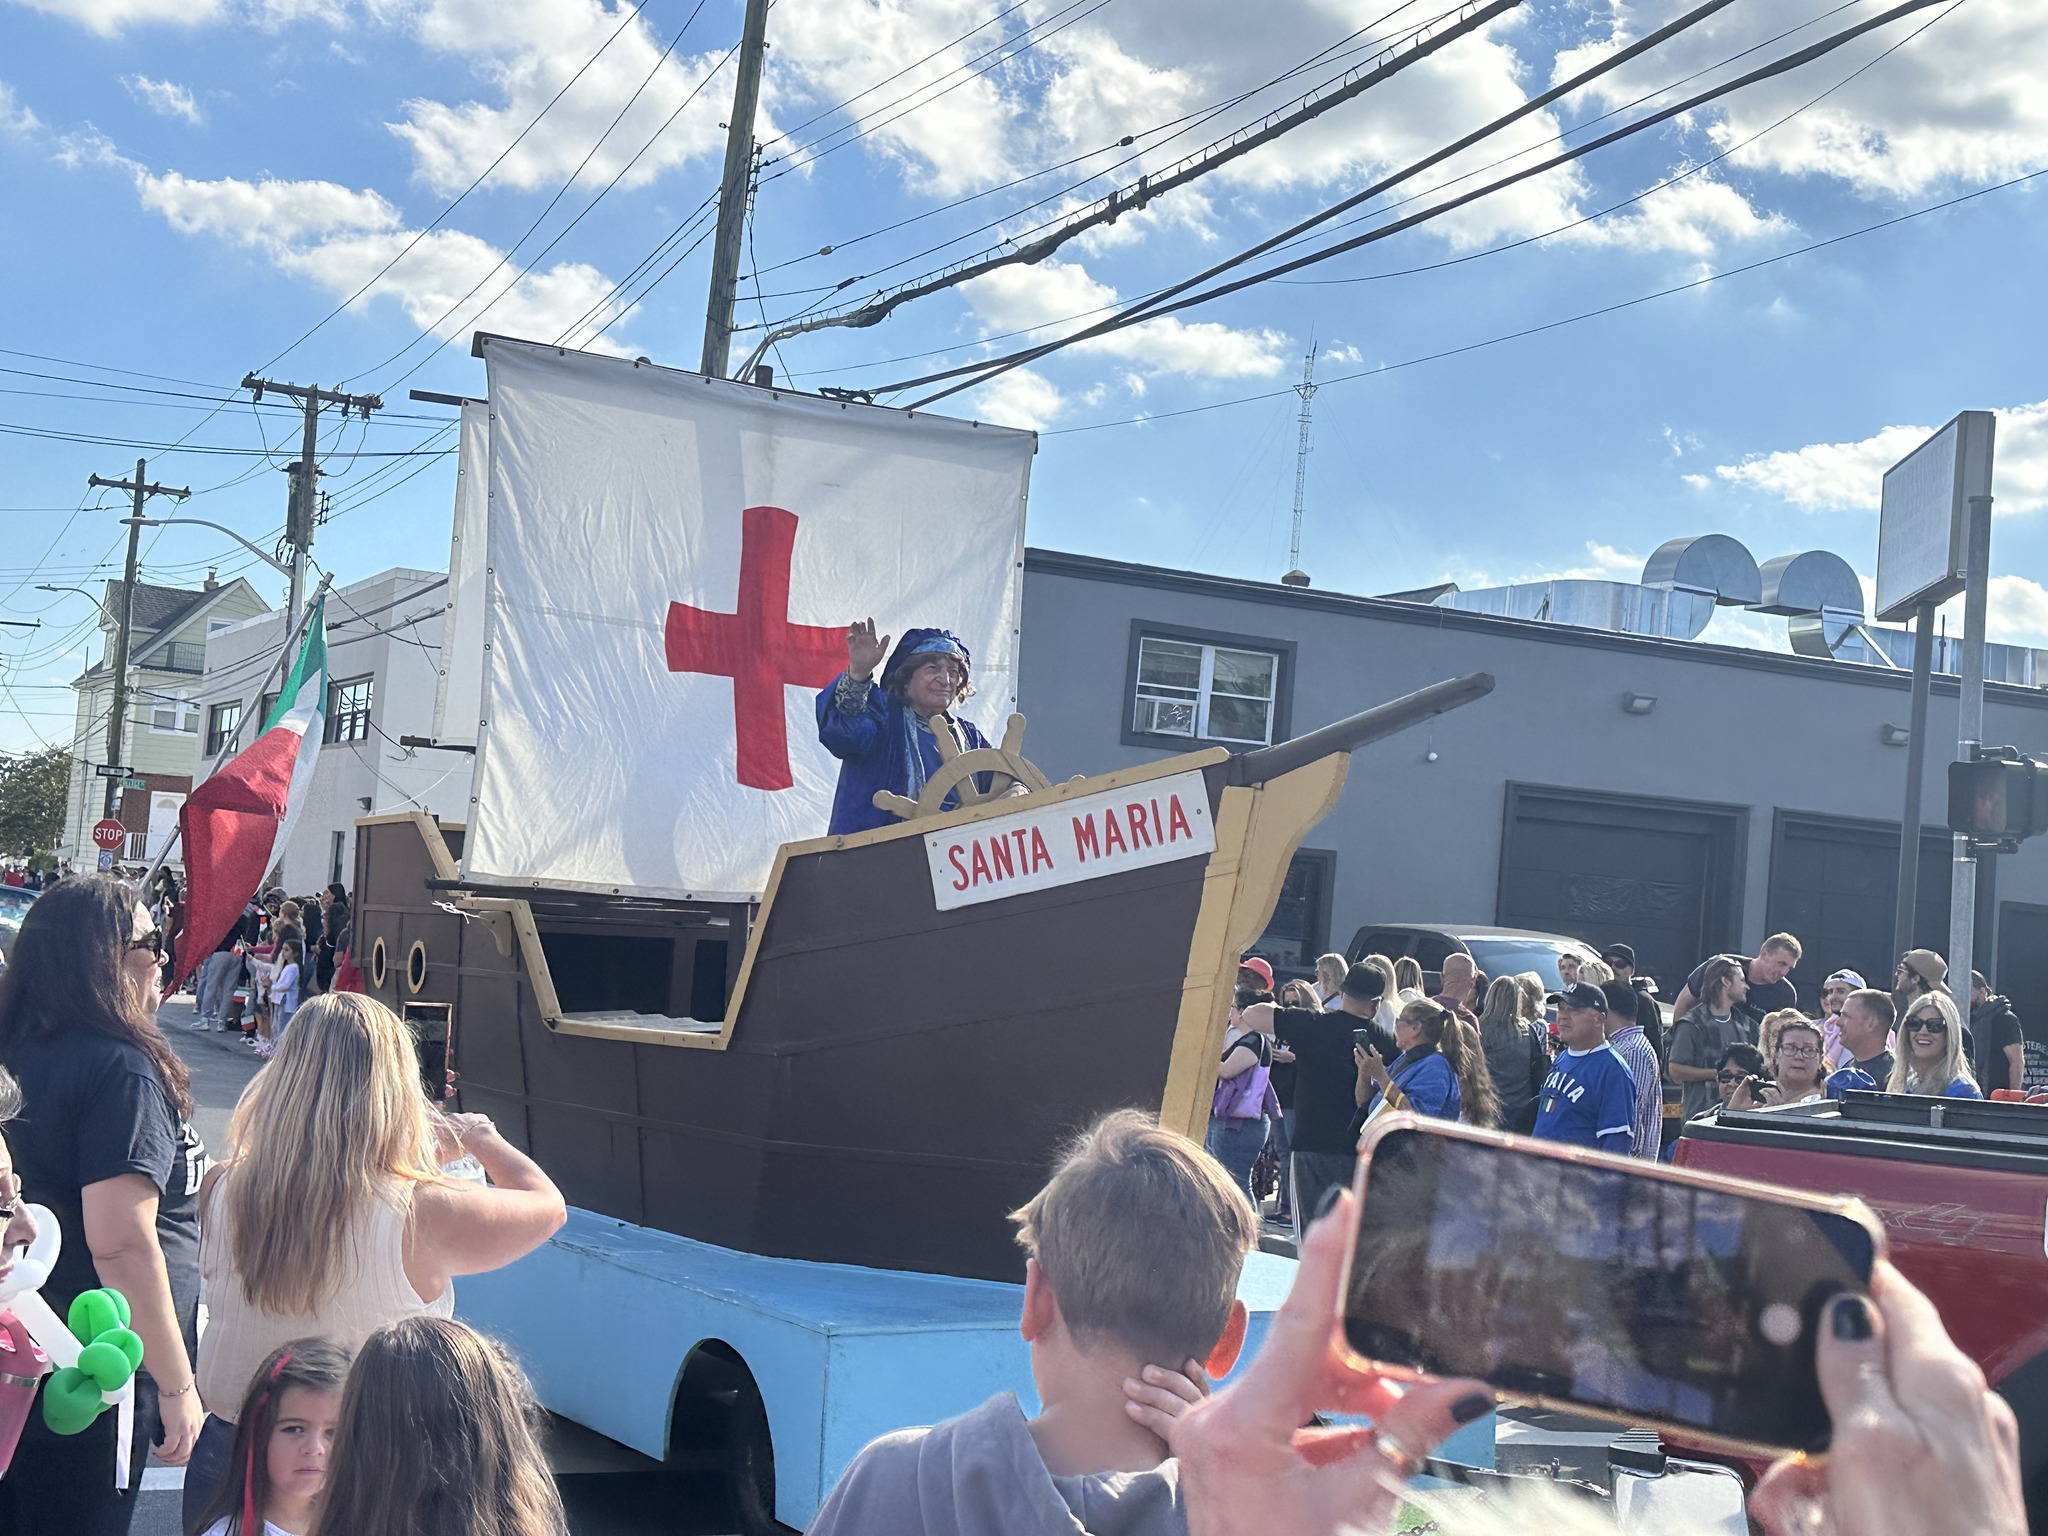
(105, 1141)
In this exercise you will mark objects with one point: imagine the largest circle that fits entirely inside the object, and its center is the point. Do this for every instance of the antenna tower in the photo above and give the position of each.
(1295, 576)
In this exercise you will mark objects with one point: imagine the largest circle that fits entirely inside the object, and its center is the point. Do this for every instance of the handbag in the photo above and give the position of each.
(1242, 1097)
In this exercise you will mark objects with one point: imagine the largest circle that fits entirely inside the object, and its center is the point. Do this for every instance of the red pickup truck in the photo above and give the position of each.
(1962, 1188)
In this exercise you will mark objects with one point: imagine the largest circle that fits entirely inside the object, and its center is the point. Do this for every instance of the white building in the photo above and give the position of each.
(383, 663)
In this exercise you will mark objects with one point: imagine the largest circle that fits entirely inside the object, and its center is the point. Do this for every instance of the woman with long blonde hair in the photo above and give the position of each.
(1931, 1058)
(331, 1216)
(439, 1436)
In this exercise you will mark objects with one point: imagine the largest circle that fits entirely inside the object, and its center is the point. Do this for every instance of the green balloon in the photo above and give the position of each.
(129, 1342)
(71, 1401)
(107, 1364)
(96, 1312)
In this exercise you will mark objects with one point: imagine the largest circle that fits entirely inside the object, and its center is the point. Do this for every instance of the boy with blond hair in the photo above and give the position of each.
(1133, 1251)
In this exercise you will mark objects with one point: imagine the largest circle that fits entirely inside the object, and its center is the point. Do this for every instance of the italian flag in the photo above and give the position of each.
(236, 824)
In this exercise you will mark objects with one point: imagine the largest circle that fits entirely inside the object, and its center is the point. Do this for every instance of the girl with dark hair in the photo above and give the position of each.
(1441, 1070)
(333, 936)
(440, 1436)
(281, 1443)
(106, 1143)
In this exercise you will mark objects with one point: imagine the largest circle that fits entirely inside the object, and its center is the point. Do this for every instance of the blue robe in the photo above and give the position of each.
(871, 733)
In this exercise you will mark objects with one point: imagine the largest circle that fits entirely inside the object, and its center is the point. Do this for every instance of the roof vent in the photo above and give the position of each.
(1294, 579)
(1710, 564)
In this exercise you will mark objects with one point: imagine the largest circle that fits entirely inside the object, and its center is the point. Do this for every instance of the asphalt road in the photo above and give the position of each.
(608, 1489)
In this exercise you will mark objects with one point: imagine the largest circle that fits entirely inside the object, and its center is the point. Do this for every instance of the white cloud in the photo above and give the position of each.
(1052, 293)
(1342, 352)
(1696, 217)
(110, 17)
(2017, 611)
(164, 97)
(338, 237)
(527, 51)
(1020, 398)
(1849, 476)
(1960, 102)
(16, 120)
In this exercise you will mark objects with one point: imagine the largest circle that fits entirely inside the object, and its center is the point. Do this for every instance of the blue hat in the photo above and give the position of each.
(925, 642)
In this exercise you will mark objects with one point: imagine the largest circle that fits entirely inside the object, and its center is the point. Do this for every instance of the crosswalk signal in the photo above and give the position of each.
(1998, 798)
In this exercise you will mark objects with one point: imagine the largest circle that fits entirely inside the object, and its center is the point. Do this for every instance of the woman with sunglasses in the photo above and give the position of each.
(1931, 1058)
(1441, 1070)
(106, 1142)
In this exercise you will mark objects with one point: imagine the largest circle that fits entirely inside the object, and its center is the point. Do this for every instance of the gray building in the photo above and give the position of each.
(1682, 797)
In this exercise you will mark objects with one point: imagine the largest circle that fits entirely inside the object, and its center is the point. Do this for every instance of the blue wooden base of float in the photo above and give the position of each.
(606, 1315)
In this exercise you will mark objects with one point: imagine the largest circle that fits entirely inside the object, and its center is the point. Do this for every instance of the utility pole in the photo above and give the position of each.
(305, 474)
(734, 191)
(117, 714)
(1296, 576)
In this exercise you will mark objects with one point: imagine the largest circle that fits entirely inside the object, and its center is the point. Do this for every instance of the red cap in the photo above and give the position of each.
(1254, 963)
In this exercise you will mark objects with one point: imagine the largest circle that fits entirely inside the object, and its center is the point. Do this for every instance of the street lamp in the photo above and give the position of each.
(199, 522)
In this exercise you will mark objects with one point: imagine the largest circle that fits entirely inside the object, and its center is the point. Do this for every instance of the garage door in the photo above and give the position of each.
(1657, 875)
(1834, 885)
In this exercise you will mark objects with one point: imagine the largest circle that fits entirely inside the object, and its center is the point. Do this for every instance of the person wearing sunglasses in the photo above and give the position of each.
(1931, 1058)
(1740, 1068)
(106, 1143)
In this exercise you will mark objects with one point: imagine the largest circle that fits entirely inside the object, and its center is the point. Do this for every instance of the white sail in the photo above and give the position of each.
(653, 533)
(458, 693)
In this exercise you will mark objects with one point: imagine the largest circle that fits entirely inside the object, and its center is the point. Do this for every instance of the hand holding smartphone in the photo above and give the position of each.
(1625, 1289)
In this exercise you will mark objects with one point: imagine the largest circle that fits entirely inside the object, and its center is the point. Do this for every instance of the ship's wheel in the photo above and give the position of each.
(958, 768)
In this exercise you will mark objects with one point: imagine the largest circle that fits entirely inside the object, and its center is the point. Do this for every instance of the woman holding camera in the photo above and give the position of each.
(1441, 1070)
(332, 1215)
(1795, 1063)
(1932, 1059)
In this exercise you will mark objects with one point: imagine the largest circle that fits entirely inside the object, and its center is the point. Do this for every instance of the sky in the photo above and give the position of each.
(1731, 322)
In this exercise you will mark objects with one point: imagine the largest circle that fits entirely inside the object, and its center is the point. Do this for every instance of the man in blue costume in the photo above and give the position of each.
(882, 732)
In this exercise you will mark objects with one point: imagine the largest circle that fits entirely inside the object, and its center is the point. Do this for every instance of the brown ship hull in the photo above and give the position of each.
(889, 1079)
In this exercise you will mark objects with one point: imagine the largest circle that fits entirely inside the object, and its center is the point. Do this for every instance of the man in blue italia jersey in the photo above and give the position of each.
(1589, 1099)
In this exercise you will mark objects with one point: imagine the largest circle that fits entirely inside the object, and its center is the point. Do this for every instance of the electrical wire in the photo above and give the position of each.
(632, 16)
(1331, 380)
(1153, 309)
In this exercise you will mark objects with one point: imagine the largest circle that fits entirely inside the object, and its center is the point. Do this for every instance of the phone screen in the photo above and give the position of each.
(1690, 1307)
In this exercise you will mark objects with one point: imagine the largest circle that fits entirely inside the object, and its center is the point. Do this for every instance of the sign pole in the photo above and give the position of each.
(1962, 909)
(1916, 767)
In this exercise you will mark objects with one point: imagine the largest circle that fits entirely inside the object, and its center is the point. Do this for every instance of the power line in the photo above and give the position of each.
(58, 435)
(1153, 309)
(631, 17)
(1552, 325)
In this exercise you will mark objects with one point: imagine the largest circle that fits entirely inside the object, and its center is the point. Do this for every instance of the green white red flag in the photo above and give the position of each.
(236, 824)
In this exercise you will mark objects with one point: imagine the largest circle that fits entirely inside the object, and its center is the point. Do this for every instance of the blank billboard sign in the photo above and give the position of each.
(1921, 554)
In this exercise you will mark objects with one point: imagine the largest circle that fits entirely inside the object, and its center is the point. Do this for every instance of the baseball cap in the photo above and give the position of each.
(1255, 964)
(1621, 953)
(1977, 980)
(1927, 965)
(1851, 977)
(1582, 994)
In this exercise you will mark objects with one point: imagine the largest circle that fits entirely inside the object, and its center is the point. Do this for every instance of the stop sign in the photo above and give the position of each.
(109, 834)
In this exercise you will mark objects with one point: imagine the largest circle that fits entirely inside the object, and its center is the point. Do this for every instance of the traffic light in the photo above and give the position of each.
(1999, 798)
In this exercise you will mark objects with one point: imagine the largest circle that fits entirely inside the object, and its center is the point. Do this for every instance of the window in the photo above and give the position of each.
(221, 721)
(1187, 686)
(336, 852)
(264, 710)
(348, 710)
(174, 712)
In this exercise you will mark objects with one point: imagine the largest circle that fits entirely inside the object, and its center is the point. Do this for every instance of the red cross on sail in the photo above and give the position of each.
(758, 648)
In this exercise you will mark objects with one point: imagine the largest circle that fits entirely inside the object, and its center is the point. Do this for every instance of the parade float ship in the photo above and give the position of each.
(880, 1064)
(791, 1086)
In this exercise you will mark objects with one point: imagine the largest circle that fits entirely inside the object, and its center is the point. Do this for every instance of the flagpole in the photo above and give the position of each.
(291, 646)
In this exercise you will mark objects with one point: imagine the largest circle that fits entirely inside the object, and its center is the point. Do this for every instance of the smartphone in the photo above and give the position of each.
(1362, 1038)
(1607, 1285)
(432, 1028)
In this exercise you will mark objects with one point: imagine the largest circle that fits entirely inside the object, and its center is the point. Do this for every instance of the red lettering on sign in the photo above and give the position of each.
(758, 648)
(1001, 858)
(1041, 856)
(1112, 834)
(981, 871)
(1086, 843)
(953, 856)
(1141, 831)
(1177, 821)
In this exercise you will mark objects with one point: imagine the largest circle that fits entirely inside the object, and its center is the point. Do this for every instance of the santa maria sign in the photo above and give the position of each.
(1070, 841)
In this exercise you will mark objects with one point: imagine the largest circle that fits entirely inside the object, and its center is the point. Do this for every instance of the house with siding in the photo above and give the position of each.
(161, 739)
